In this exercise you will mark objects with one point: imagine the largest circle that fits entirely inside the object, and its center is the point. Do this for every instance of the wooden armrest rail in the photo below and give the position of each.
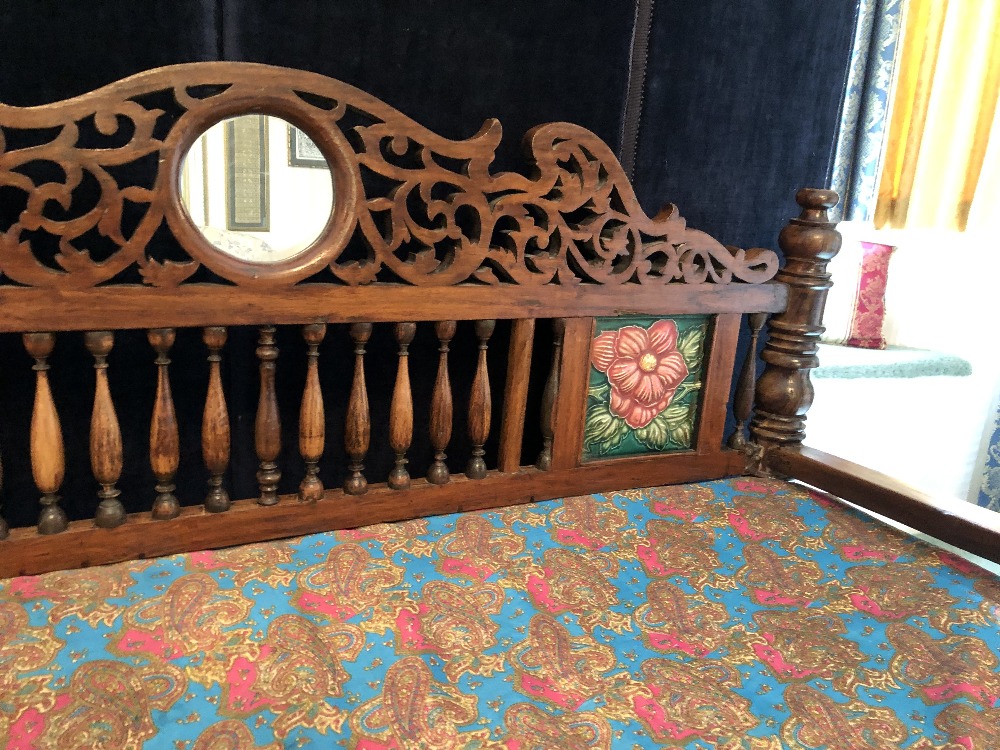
(968, 526)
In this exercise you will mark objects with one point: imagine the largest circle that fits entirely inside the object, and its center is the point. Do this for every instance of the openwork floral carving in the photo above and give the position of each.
(426, 209)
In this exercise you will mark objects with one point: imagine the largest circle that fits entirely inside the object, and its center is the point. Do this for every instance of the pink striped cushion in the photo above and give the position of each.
(869, 302)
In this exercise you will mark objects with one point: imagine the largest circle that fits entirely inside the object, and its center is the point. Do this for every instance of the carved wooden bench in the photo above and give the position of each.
(95, 237)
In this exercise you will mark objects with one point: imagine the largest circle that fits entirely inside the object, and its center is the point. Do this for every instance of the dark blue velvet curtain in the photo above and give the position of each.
(741, 102)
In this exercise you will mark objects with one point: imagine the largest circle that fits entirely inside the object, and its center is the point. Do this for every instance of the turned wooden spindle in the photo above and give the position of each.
(743, 400)
(4, 528)
(441, 405)
(401, 410)
(549, 396)
(357, 427)
(480, 405)
(164, 442)
(48, 457)
(784, 391)
(312, 417)
(105, 435)
(215, 423)
(267, 428)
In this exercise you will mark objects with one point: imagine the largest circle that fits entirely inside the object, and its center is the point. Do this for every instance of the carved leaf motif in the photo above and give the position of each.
(70, 259)
(167, 274)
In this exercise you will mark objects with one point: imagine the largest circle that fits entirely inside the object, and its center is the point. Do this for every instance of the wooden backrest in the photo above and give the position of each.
(94, 238)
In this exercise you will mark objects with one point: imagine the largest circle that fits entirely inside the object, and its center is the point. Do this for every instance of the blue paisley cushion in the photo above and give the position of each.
(742, 613)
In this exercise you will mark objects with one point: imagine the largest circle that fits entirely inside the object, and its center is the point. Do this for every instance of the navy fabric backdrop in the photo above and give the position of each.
(741, 106)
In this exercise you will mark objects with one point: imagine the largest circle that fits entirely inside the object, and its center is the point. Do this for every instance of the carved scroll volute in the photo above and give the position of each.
(743, 400)
(441, 405)
(312, 417)
(784, 391)
(401, 411)
(105, 435)
(480, 404)
(549, 396)
(357, 431)
(215, 423)
(164, 441)
(267, 428)
(48, 459)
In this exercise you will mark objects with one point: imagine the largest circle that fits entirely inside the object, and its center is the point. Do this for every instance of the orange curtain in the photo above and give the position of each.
(941, 164)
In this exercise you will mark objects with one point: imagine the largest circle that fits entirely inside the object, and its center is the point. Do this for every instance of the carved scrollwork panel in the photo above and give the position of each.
(426, 209)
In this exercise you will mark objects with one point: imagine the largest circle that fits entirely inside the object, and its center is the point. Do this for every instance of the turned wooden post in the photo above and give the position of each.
(164, 442)
(401, 410)
(441, 405)
(784, 391)
(215, 423)
(358, 423)
(267, 428)
(312, 417)
(48, 458)
(743, 400)
(480, 405)
(105, 435)
(544, 461)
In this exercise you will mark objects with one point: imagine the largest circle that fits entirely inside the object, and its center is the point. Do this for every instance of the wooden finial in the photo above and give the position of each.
(357, 431)
(164, 440)
(441, 405)
(401, 409)
(48, 459)
(215, 437)
(312, 417)
(784, 391)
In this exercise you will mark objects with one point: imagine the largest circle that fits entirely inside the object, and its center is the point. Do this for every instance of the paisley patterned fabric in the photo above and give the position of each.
(741, 614)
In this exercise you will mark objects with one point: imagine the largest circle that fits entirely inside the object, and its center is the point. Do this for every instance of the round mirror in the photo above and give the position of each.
(257, 188)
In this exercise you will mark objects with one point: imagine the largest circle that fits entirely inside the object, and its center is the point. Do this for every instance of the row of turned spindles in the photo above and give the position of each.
(48, 455)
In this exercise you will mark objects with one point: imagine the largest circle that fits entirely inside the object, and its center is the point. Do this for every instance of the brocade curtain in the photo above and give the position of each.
(864, 115)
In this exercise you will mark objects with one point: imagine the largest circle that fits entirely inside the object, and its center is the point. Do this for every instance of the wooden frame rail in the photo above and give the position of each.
(128, 306)
(141, 536)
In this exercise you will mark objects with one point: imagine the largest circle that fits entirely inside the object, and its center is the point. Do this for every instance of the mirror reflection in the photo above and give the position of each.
(257, 188)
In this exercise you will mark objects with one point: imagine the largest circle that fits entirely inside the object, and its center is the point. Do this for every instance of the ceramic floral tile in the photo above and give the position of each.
(645, 381)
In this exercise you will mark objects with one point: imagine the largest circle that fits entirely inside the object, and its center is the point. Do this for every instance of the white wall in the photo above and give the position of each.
(942, 290)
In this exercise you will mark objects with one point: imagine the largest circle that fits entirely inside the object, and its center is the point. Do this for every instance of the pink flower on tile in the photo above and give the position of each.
(643, 367)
